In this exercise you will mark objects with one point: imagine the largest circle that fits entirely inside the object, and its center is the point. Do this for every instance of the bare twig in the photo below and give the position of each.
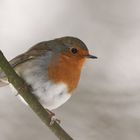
(25, 92)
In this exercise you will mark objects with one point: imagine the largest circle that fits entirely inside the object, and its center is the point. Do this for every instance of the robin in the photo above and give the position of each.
(52, 69)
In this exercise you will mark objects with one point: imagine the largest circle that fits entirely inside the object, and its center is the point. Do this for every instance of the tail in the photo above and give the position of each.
(3, 79)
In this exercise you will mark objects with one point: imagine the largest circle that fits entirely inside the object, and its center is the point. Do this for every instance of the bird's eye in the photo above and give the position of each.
(74, 50)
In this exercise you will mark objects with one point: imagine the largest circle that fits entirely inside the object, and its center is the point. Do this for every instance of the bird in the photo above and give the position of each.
(52, 69)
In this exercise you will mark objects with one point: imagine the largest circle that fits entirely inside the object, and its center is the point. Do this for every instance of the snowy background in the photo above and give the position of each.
(106, 104)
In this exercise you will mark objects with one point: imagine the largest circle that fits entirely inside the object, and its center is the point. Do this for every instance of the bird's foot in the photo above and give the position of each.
(53, 118)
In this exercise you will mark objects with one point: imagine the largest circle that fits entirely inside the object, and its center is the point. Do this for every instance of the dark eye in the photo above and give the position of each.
(74, 50)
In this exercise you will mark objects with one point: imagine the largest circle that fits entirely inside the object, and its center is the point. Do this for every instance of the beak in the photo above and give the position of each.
(91, 56)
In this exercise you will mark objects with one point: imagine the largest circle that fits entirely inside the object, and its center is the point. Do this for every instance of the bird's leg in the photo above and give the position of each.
(50, 113)
(53, 118)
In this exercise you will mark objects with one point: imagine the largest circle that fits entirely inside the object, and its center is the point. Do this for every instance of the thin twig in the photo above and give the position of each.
(25, 92)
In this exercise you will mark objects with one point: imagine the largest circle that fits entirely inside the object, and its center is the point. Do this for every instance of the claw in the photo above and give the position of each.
(53, 120)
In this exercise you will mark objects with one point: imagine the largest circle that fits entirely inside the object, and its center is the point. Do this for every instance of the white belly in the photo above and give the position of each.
(51, 96)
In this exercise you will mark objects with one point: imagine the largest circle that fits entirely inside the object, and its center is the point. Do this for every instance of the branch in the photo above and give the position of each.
(25, 92)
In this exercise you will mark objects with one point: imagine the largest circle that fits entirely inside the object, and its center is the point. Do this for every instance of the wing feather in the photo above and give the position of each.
(34, 52)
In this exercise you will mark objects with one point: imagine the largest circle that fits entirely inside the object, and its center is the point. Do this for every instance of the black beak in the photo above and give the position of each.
(91, 56)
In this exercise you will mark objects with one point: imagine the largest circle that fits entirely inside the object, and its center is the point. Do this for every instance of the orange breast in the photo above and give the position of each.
(66, 70)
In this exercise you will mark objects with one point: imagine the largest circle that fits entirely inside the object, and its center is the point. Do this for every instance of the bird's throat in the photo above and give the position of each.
(66, 70)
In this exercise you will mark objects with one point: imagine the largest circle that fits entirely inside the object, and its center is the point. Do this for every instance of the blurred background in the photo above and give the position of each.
(106, 104)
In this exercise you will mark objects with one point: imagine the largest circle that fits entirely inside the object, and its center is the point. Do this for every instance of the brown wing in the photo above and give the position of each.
(36, 51)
